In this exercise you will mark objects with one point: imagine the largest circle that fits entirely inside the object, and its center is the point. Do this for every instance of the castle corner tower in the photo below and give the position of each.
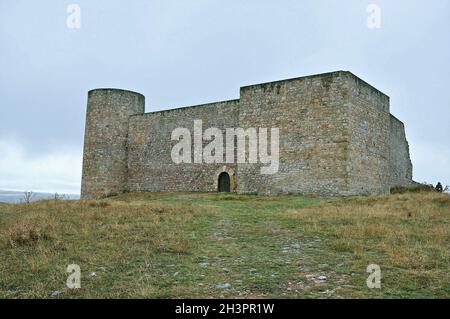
(105, 153)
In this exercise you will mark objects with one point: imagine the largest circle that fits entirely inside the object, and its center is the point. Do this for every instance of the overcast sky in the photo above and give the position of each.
(187, 52)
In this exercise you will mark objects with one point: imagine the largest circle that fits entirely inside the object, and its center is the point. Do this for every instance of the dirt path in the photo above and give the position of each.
(252, 254)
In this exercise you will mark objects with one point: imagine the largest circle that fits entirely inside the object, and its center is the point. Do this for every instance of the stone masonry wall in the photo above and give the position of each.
(368, 162)
(399, 161)
(337, 137)
(150, 164)
(105, 143)
(311, 116)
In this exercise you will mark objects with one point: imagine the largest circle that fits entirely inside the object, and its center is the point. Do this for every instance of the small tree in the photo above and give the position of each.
(58, 197)
(28, 196)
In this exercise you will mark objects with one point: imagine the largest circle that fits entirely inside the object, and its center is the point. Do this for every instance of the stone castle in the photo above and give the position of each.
(336, 137)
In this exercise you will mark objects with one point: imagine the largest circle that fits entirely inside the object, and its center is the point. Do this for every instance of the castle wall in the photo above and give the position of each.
(311, 116)
(368, 162)
(399, 160)
(309, 113)
(336, 137)
(150, 164)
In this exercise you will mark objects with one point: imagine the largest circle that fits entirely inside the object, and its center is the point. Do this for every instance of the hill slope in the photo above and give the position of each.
(166, 245)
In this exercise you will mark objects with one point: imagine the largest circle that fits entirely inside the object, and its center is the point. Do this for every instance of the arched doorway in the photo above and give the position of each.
(224, 182)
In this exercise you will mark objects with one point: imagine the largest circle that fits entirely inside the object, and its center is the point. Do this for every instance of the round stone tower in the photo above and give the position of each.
(105, 156)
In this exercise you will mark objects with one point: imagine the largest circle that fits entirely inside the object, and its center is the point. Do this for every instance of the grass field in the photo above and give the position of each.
(191, 245)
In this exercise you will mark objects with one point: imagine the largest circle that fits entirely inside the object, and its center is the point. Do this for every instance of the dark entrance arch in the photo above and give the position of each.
(224, 182)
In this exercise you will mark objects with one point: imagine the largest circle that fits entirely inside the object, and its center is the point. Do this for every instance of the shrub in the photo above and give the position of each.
(30, 231)
(28, 196)
(98, 203)
(412, 189)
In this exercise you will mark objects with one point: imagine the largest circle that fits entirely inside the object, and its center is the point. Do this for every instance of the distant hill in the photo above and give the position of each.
(18, 197)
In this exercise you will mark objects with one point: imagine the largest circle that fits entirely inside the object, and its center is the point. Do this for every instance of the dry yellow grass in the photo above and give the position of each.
(29, 230)
(183, 245)
(410, 232)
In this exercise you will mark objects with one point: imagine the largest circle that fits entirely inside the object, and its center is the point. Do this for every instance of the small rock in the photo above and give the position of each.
(328, 292)
(92, 274)
(322, 278)
(55, 293)
(204, 264)
(223, 286)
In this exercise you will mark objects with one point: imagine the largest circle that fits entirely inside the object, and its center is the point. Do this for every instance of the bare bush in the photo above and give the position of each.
(58, 197)
(28, 196)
